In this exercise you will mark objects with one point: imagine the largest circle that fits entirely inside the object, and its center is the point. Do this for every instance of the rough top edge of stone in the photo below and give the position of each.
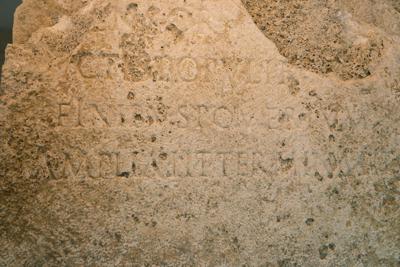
(32, 16)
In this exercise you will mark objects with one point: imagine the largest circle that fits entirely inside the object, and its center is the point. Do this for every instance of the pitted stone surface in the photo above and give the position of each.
(175, 133)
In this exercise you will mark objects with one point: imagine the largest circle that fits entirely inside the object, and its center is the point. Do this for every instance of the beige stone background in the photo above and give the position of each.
(201, 133)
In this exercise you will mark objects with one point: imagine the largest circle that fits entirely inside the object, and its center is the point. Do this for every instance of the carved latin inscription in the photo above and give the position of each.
(195, 163)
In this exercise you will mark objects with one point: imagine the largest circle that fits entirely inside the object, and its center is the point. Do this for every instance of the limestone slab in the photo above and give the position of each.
(201, 133)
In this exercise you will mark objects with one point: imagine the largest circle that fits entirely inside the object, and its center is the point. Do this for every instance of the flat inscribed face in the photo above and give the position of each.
(173, 133)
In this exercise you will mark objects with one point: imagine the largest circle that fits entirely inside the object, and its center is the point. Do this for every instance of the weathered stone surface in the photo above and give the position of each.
(201, 133)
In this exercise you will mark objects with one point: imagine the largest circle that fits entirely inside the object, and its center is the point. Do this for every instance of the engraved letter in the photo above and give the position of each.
(188, 69)
(223, 117)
